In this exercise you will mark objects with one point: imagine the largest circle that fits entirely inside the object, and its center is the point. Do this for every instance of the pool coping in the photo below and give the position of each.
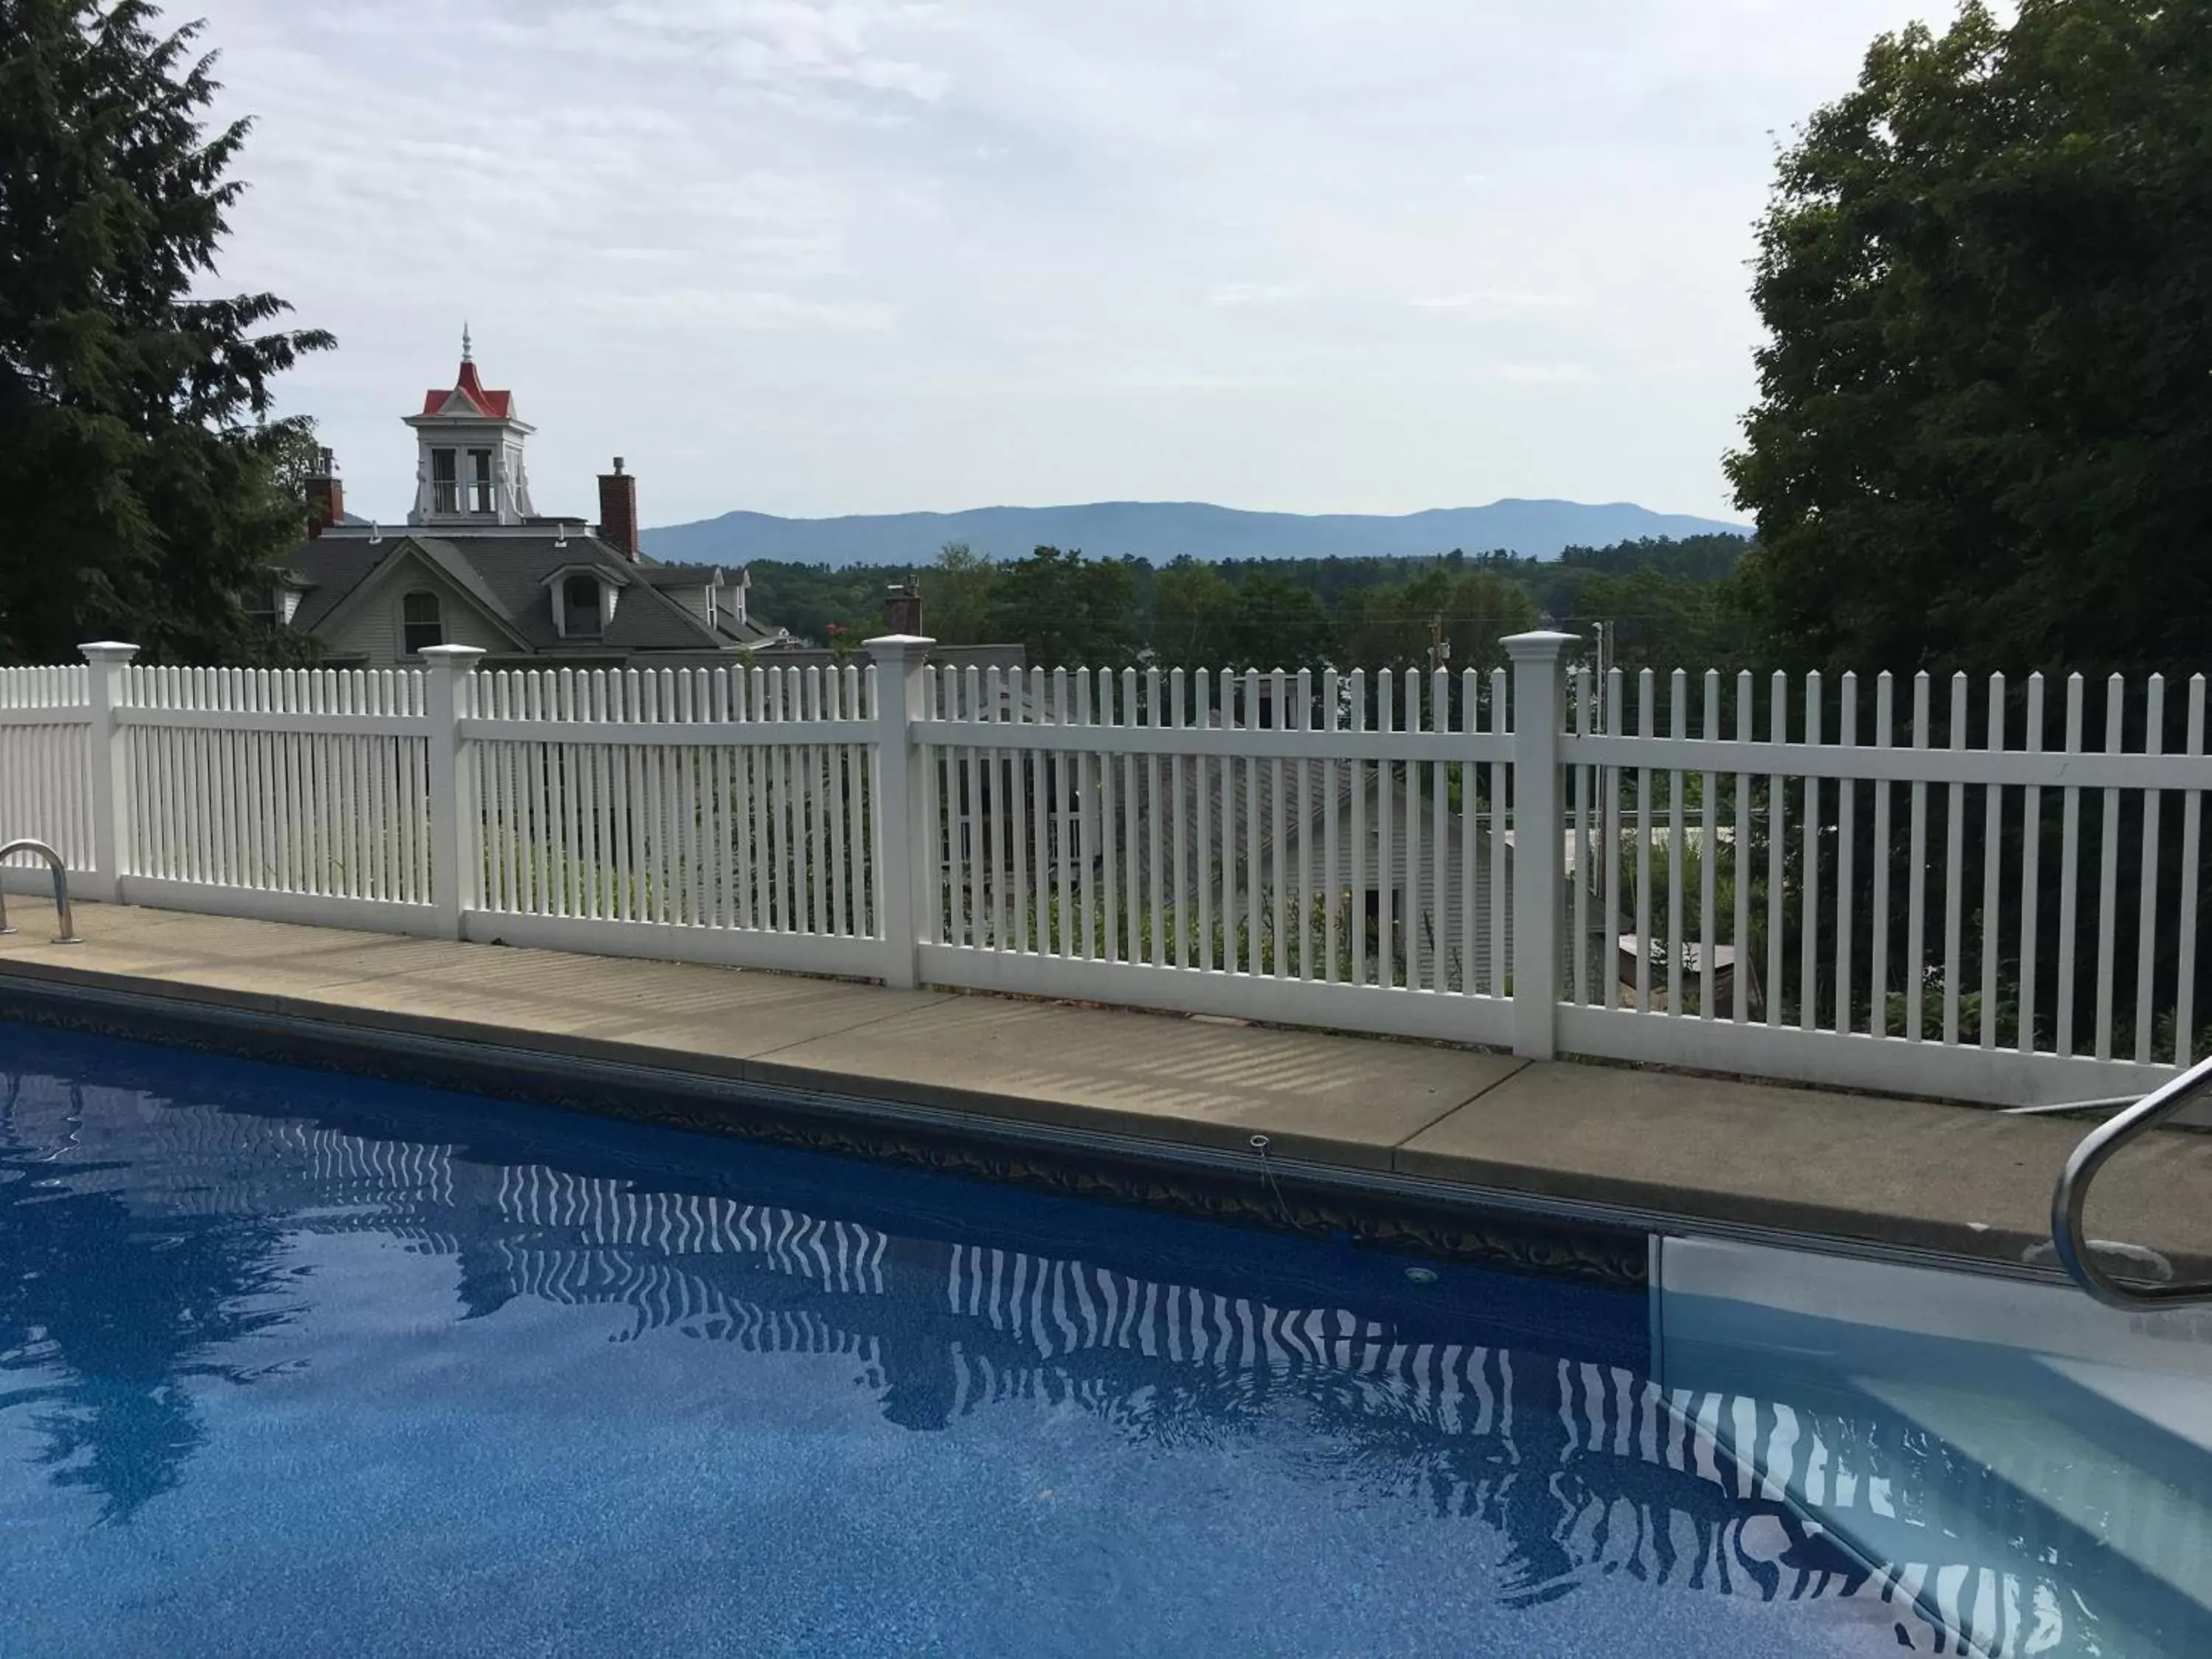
(1579, 1163)
(1592, 1236)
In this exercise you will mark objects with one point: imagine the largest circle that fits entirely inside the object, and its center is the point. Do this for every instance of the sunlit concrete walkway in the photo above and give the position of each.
(1955, 1179)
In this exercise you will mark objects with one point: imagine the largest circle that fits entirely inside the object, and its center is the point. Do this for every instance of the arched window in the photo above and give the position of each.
(579, 606)
(422, 621)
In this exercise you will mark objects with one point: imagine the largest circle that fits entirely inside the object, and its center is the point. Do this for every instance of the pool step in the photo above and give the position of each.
(2042, 1464)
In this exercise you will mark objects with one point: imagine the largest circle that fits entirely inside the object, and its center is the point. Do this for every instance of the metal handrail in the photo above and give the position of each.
(68, 934)
(2072, 1192)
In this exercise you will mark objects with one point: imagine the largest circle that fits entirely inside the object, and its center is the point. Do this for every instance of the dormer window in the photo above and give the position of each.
(579, 607)
(421, 623)
(274, 607)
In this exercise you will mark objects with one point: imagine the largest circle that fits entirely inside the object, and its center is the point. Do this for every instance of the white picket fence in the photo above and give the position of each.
(1821, 882)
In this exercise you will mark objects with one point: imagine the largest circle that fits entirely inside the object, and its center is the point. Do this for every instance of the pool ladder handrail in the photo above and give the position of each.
(62, 912)
(2072, 1193)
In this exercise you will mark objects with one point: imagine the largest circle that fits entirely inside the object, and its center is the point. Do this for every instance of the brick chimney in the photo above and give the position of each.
(903, 609)
(325, 494)
(618, 510)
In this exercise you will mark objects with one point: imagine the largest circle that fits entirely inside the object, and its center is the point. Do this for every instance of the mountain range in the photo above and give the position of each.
(1162, 531)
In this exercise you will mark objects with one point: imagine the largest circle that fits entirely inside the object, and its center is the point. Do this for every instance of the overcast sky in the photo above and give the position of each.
(815, 257)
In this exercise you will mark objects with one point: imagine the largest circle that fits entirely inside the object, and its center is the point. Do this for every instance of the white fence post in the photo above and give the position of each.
(1539, 834)
(901, 828)
(109, 667)
(456, 853)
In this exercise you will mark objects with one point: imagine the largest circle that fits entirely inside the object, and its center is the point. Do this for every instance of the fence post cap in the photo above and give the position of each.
(1543, 645)
(457, 656)
(893, 648)
(107, 651)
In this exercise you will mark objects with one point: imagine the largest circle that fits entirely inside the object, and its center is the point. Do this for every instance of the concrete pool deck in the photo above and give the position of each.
(1960, 1181)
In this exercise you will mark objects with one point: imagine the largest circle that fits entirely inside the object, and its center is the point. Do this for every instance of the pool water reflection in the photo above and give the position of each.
(294, 1363)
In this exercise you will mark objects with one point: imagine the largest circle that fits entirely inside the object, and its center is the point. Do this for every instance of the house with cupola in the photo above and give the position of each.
(475, 563)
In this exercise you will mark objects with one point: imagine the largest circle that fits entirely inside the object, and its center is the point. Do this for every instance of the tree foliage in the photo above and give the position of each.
(1671, 604)
(1468, 612)
(142, 491)
(1068, 610)
(1985, 408)
(960, 597)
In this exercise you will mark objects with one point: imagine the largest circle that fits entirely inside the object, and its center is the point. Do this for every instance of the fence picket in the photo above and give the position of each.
(1585, 848)
(2108, 871)
(1614, 849)
(1777, 817)
(1915, 952)
(1499, 913)
(1331, 687)
(1709, 858)
(1847, 790)
(1954, 825)
(1992, 855)
(2069, 851)
(1356, 923)
(1808, 982)
(2193, 806)
(1678, 726)
(1088, 826)
(1279, 838)
(1469, 836)
(2147, 912)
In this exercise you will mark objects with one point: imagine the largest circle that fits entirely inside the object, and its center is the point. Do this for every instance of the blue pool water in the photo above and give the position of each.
(298, 1363)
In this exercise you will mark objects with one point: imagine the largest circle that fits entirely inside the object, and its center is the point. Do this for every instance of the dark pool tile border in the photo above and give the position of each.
(1294, 1197)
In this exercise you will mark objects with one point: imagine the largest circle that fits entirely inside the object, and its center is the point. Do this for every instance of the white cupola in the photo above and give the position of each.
(469, 468)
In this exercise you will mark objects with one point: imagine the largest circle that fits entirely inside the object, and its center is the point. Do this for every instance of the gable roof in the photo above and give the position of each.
(337, 585)
(506, 575)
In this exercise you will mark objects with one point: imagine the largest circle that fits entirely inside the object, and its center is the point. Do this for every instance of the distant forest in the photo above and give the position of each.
(1669, 602)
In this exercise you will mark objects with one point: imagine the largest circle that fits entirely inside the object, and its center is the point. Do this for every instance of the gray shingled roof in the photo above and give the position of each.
(506, 574)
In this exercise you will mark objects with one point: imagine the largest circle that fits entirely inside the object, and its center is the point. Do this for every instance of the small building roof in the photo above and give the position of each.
(507, 576)
(493, 405)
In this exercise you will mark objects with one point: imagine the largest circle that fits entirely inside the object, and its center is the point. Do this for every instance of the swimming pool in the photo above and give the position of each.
(297, 1363)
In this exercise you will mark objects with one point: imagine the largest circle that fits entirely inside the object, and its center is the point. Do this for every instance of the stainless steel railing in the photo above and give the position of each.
(2072, 1192)
(68, 934)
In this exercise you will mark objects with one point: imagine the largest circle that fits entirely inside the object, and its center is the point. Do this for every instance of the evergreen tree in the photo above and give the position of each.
(142, 484)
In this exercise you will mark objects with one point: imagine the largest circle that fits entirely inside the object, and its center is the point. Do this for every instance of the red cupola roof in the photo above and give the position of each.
(498, 405)
(494, 406)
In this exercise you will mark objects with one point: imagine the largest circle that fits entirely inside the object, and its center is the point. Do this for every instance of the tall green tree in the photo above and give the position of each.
(1193, 615)
(1279, 624)
(1984, 424)
(142, 484)
(1069, 611)
(959, 596)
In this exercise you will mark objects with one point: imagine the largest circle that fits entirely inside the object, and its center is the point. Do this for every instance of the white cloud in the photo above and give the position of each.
(1544, 373)
(828, 256)
(719, 308)
(1491, 302)
(1256, 293)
